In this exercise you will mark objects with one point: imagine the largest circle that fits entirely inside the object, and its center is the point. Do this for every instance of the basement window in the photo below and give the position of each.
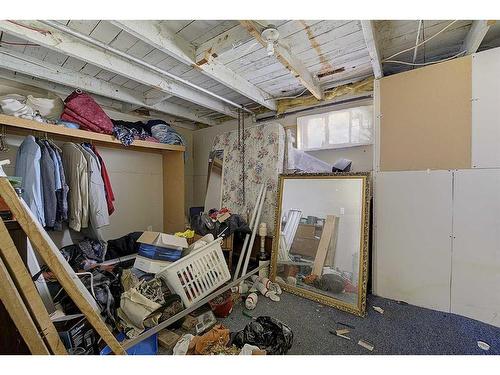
(337, 129)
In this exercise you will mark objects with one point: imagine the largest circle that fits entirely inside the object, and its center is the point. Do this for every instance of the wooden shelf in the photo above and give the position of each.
(23, 126)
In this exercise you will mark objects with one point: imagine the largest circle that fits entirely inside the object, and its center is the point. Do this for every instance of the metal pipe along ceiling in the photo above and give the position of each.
(95, 42)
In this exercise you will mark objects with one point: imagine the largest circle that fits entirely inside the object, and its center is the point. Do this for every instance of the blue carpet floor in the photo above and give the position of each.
(402, 329)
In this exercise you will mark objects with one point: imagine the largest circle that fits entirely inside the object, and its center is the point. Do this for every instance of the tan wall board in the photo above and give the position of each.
(426, 118)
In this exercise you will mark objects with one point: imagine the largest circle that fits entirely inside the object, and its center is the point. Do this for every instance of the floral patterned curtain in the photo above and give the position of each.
(264, 154)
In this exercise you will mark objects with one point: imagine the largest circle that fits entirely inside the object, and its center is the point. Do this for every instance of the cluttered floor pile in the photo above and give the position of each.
(144, 278)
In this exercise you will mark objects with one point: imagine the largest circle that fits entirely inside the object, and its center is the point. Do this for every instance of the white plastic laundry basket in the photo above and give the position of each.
(198, 274)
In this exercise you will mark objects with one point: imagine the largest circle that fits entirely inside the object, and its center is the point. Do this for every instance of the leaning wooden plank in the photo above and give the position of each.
(57, 264)
(329, 230)
(26, 287)
(14, 305)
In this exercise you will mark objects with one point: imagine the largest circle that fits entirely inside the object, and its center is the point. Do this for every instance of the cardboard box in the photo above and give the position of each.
(163, 240)
(168, 339)
(150, 265)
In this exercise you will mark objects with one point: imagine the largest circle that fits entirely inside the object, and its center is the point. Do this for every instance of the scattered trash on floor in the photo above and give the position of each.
(366, 345)
(378, 309)
(251, 350)
(341, 333)
(483, 345)
(182, 346)
(251, 301)
(345, 325)
(205, 322)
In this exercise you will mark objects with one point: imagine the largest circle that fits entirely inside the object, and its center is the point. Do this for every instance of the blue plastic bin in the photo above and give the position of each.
(159, 253)
(148, 346)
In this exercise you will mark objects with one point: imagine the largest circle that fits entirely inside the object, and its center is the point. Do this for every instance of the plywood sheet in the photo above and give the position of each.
(413, 224)
(475, 286)
(486, 109)
(426, 118)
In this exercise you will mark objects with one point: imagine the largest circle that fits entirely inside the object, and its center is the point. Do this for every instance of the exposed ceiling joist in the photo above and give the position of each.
(476, 34)
(24, 64)
(70, 46)
(221, 44)
(153, 100)
(285, 57)
(157, 35)
(370, 36)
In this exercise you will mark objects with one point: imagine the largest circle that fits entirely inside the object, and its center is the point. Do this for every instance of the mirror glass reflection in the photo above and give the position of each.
(320, 236)
(213, 197)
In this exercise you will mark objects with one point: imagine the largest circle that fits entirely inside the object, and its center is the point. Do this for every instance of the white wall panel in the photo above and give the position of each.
(412, 254)
(486, 109)
(475, 291)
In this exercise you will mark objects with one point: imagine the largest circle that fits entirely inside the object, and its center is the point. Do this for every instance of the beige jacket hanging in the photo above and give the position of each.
(98, 207)
(75, 169)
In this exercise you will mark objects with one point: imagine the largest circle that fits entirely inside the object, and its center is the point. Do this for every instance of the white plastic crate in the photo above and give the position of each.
(198, 274)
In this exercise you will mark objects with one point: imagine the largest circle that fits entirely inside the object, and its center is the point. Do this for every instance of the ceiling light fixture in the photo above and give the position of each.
(270, 34)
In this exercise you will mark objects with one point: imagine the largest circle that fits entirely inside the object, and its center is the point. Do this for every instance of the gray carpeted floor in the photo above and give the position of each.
(402, 329)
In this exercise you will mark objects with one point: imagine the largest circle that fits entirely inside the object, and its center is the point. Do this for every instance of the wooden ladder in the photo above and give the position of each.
(18, 292)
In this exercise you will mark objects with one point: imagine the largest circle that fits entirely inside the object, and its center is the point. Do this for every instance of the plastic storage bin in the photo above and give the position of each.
(198, 274)
(147, 346)
(159, 253)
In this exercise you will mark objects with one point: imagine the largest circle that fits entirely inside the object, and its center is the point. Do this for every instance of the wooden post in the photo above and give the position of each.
(20, 316)
(57, 264)
(173, 192)
(328, 238)
(26, 287)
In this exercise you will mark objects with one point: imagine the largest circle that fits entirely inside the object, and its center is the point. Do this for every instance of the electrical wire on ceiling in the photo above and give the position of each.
(415, 52)
(421, 43)
(426, 63)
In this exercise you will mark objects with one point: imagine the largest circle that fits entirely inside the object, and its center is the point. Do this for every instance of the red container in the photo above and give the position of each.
(222, 305)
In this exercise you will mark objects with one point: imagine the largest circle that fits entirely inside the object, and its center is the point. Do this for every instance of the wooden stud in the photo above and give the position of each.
(26, 287)
(58, 265)
(173, 192)
(328, 238)
(19, 314)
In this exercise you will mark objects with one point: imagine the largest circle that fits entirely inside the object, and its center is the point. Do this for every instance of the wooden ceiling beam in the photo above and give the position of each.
(370, 36)
(476, 34)
(156, 34)
(45, 36)
(18, 62)
(287, 59)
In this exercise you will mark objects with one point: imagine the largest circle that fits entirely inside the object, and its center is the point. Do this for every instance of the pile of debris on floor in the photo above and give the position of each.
(136, 294)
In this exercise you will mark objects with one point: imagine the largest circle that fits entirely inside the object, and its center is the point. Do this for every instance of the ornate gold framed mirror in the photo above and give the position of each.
(320, 249)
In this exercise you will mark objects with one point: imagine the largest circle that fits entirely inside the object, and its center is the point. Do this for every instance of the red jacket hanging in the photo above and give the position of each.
(110, 196)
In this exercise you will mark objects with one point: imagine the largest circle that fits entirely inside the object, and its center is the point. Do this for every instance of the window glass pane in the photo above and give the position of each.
(342, 128)
(315, 132)
(338, 127)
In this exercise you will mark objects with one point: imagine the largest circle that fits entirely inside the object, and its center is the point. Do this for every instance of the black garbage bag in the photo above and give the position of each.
(235, 223)
(267, 333)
